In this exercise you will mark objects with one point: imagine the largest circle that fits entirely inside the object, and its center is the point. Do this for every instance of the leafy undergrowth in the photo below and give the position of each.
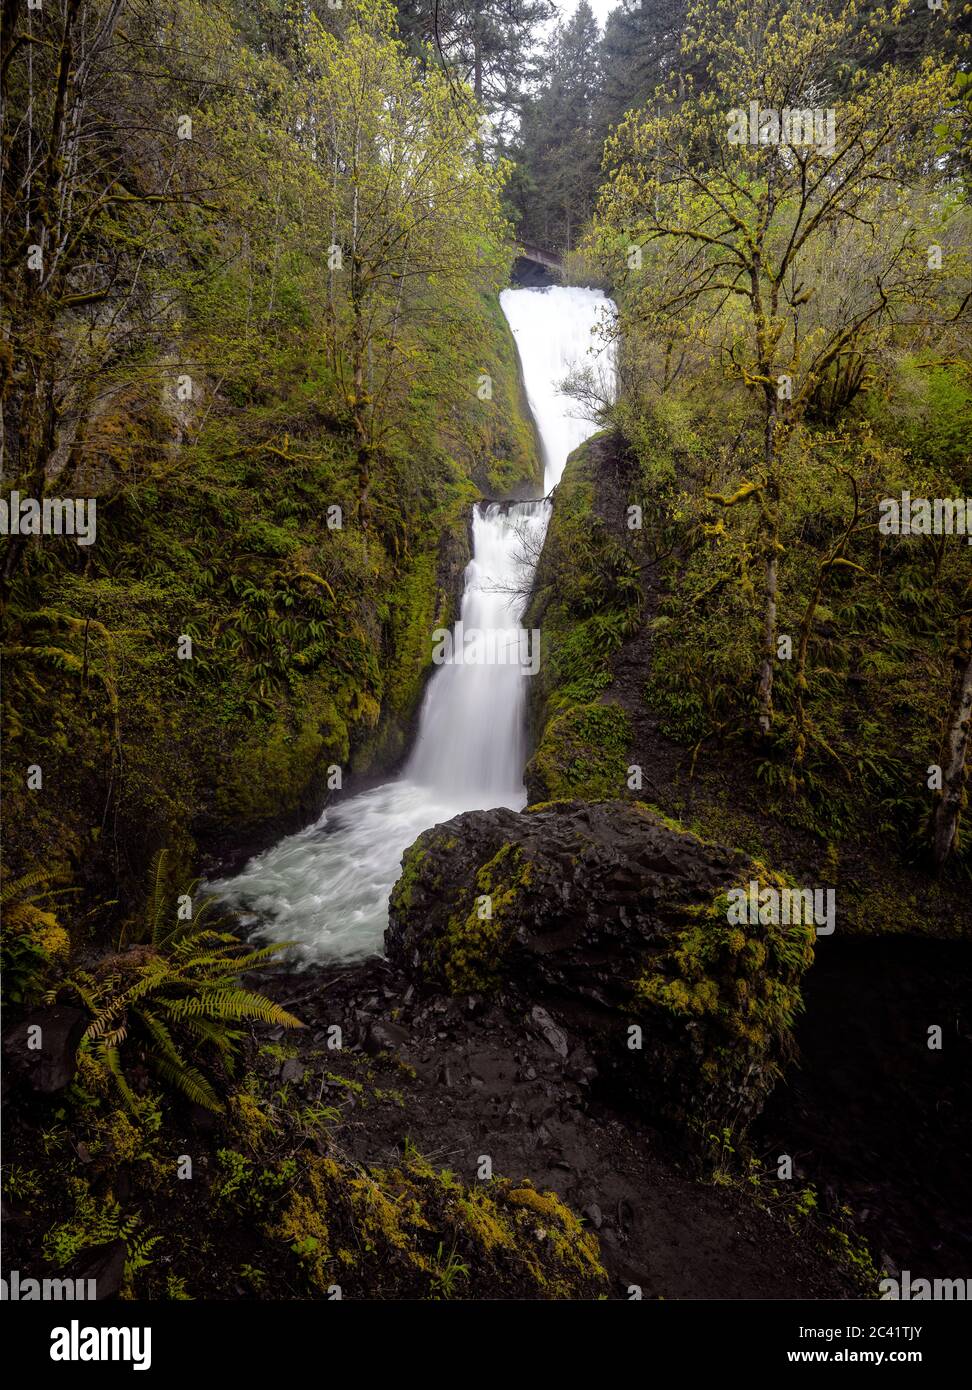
(655, 704)
(225, 648)
(207, 1159)
(262, 1203)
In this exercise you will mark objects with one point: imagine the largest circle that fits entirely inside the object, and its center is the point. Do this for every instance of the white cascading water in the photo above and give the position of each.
(326, 888)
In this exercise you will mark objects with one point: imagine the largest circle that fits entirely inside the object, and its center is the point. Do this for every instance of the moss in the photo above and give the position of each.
(470, 954)
(415, 608)
(386, 1217)
(669, 822)
(42, 929)
(270, 773)
(741, 983)
(402, 1219)
(248, 1121)
(296, 1210)
(35, 948)
(506, 443)
(303, 1225)
(583, 754)
(576, 1250)
(478, 1215)
(401, 894)
(586, 602)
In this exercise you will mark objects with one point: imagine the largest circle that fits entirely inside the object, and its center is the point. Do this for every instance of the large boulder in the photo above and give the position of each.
(614, 920)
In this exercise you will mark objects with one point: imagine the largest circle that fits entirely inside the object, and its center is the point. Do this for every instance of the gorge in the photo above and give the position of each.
(326, 888)
(486, 809)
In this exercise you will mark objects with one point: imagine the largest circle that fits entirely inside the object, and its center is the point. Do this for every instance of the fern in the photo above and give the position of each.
(175, 996)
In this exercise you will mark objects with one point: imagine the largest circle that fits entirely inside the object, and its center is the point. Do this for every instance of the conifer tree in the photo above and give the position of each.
(561, 152)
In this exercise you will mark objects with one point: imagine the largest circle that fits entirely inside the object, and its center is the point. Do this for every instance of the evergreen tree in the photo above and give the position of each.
(640, 51)
(487, 43)
(560, 149)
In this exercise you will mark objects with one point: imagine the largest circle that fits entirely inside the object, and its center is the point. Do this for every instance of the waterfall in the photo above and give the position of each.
(471, 742)
(554, 332)
(326, 888)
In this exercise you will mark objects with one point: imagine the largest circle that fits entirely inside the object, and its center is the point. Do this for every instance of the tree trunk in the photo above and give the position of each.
(477, 57)
(948, 809)
(771, 582)
(359, 350)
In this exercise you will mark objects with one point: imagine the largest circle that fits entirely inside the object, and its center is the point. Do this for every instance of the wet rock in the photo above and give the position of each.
(555, 1036)
(383, 1036)
(607, 925)
(105, 1264)
(42, 1048)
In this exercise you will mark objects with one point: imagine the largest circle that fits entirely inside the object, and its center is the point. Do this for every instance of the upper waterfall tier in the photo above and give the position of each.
(556, 333)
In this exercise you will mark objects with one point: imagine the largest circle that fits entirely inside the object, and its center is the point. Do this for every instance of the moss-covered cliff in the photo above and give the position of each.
(240, 631)
(640, 687)
(586, 601)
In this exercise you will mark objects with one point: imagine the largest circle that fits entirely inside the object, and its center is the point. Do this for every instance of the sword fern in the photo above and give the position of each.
(176, 1000)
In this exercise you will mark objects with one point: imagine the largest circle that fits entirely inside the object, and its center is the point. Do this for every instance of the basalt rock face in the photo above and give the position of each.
(614, 921)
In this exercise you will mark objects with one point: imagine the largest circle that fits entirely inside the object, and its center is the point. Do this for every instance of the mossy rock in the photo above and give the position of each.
(583, 753)
(278, 770)
(616, 920)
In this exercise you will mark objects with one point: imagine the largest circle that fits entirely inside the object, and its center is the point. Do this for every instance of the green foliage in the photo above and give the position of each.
(583, 753)
(281, 450)
(559, 150)
(33, 943)
(446, 1273)
(177, 994)
(768, 423)
(778, 305)
(95, 1222)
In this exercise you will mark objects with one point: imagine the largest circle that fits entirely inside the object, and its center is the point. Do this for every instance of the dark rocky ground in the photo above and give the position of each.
(466, 1078)
(872, 1118)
